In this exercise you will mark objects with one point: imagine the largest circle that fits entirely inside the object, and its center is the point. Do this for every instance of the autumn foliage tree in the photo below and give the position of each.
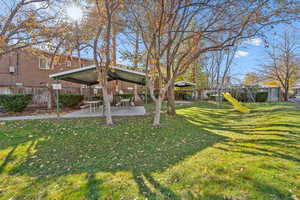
(23, 24)
(105, 13)
(176, 33)
(252, 78)
(218, 65)
(283, 62)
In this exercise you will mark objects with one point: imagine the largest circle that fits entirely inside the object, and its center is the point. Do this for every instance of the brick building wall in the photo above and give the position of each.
(29, 78)
(28, 72)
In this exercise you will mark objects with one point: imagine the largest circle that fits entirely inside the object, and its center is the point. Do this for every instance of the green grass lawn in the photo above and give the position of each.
(206, 152)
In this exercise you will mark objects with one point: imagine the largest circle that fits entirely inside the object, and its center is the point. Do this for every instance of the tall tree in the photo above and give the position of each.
(172, 42)
(218, 66)
(23, 23)
(106, 11)
(251, 78)
(283, 61)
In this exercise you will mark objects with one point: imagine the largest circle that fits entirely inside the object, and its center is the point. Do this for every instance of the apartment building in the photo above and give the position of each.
(27, 68)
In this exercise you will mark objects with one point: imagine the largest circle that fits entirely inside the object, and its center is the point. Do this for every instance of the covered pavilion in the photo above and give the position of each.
(88, 76)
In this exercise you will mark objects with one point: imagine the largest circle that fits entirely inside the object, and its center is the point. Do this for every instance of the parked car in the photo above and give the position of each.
(295, 97)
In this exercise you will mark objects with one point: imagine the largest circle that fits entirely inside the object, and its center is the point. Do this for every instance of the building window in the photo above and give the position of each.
(44, 63)
(68, 64)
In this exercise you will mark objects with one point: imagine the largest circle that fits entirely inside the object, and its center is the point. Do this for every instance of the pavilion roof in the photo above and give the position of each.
(88, 75)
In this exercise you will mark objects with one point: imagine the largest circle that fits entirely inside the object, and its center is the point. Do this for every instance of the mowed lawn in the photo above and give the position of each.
(206, 152)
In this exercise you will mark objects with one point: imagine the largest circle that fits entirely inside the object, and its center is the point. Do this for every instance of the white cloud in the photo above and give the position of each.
(40, 4)
(241, 53)
(254, 41)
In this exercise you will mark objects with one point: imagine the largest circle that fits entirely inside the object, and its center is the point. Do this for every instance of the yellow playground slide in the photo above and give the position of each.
(236, 104)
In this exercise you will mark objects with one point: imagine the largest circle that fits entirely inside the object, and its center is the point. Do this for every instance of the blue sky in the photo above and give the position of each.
(252, 54)
(249, 57)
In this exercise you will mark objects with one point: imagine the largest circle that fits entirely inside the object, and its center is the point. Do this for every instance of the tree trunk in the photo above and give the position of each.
(156, 121)
(106, 102)
(286, 94)
(136, 95)
(171, 101)
(114, 46)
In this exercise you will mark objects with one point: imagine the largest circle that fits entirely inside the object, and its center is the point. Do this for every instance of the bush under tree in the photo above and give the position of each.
(261, 96)
(71, 100)
(15, 102)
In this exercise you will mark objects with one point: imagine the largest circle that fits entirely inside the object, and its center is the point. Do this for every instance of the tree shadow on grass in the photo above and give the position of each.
(265, 191)
(240, 146)
(14, 133)
(287, 134)
(72, 147)
(93, 187)
(140, 179)
(140, 150)
(7, 159)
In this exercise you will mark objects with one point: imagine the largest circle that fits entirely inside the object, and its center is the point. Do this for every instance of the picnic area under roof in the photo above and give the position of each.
(88, 75)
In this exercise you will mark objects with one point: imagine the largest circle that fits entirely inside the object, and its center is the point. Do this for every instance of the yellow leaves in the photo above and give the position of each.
(153, 72)
(136, 60)
(103, 51)
(251, 78)
(271, 83)
(193, 43)
(2, 40)
(152, 61)
(196, 38)
(30, 22)
(45, 29)
(56, 59)
(259, 18)
(29, 29)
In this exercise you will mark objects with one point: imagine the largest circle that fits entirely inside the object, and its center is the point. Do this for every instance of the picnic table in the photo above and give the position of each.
(93, 105)
(125, 102)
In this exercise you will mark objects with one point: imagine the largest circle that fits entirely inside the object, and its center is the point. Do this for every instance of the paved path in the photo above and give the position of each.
(183, 102)
(296, 101)
(116, 111)
(27, 117)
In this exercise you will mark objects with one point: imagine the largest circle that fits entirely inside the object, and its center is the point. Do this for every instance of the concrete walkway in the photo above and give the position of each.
(296, 101)
(116, 111)
(183, 102)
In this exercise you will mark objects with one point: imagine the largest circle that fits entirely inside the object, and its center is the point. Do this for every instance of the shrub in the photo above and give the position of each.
(15, 102)
(261, 96)
(242, 96)
(71, 100)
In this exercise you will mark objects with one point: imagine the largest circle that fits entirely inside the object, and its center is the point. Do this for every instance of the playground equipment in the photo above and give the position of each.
(237, 105)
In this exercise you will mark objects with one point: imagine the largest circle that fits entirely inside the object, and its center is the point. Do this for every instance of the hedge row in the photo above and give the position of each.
(15, 102)
(243, 97)
(70, 100)
(259, 97)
